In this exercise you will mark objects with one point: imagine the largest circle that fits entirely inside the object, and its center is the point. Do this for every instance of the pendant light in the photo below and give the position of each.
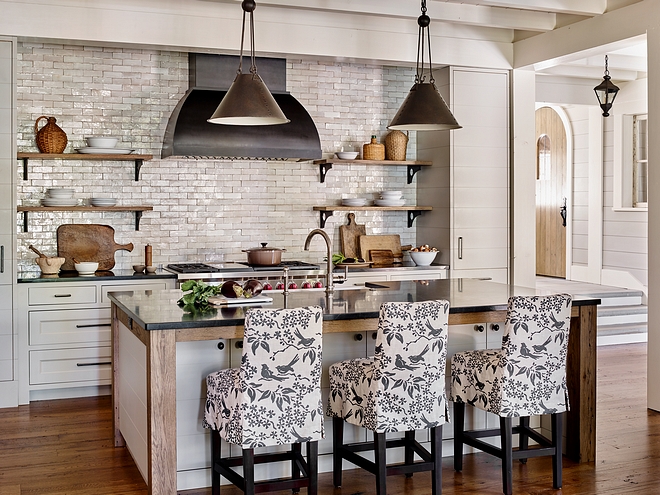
(248, 101)
(424, 109)
(606, 92)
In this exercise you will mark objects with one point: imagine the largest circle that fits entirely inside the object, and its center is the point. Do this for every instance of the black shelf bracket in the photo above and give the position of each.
(412, 170)
(323, 171)
(324, 216)
(412, 214)
(25, 169)
(25, 220)
(138, 166)
(138, 216)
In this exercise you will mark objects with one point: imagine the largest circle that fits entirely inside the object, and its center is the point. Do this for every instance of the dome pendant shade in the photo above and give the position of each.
(248, 102)
(424, 109)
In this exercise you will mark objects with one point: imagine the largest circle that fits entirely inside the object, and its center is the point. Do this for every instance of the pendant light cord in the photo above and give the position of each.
(248, 8)
(423, 22)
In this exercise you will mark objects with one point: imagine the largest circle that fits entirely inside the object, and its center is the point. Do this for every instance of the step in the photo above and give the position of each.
(608, 315)
(621, 334)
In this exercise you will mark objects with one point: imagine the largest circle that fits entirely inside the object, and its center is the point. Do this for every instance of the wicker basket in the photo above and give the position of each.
(50, 138)
(396, 143)
(373, 150)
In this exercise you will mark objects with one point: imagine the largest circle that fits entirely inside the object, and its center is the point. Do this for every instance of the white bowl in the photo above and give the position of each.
(101, 142)
(423, 258)
(391, 194)
(60, 193)
(86, 267)
(347, 155)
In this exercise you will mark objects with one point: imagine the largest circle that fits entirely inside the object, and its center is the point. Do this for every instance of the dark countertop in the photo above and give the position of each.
(157, 310)
(72, 276)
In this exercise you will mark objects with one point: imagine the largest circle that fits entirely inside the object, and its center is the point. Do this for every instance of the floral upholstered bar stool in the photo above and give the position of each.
(274, 398)
(399, 389)
(526, 377)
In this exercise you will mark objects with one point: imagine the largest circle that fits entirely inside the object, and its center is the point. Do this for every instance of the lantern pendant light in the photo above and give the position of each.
(606, 92)
(424, 109)
(248, 101)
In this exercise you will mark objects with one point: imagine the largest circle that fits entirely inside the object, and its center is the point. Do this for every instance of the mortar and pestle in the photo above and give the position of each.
(48, 265)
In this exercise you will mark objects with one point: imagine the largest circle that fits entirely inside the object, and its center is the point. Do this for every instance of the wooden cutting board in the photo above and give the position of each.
(89, 242)
(381, 242)
(349, 235)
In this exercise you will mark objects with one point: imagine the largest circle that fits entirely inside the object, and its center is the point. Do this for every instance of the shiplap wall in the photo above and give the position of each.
(203, 209)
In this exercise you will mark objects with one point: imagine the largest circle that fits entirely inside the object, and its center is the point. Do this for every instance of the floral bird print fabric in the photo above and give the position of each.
(527, 376)
(275, 396)
(401, 387)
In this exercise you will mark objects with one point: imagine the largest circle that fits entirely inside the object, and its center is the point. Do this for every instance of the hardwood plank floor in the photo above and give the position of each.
(65, 447)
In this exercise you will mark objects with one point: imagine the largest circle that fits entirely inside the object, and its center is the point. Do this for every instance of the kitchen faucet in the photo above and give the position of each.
(329, 286)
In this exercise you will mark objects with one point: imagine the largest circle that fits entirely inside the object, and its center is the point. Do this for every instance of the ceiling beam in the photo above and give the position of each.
(579, 7)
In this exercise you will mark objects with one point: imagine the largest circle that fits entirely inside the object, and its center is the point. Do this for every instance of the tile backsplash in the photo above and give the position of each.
(203, 210)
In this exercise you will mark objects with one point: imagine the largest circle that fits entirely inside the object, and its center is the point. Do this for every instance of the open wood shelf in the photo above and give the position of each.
(138, 159)
(413, 165)
(138, 210)
(413, 211)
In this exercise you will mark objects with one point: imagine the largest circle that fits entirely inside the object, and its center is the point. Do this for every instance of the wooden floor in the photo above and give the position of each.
(64, 447)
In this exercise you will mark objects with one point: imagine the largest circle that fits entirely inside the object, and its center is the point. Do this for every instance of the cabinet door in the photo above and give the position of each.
(480, 170)
(6, 337)
(69, 326)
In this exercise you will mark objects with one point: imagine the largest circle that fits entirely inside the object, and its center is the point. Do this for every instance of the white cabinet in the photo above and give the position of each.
(64, 335)
(385, 275)
(8, 381)
(468, 184)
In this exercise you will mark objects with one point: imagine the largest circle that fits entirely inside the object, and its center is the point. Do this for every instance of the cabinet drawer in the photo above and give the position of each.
(130, 287)
(70, 365)
(85, 294)
(69, 326)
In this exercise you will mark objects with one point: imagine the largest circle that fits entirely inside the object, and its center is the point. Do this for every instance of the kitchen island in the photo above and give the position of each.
(148, 327)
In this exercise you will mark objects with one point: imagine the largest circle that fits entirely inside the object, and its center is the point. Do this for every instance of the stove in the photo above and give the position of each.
(192, 268)
(291, 265)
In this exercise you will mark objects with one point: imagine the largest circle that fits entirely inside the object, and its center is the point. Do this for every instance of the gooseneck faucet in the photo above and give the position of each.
(329, 286)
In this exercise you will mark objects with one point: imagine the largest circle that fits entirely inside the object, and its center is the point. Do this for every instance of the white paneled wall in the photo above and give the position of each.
(202, 208)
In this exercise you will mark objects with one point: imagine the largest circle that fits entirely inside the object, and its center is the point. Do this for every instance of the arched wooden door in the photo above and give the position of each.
(550, 194)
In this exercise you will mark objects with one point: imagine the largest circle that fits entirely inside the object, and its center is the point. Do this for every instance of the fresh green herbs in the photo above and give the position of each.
(199, 294)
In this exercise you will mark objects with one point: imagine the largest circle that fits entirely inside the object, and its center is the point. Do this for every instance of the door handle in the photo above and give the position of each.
(460, 248)
(562, 213)
(2, 259)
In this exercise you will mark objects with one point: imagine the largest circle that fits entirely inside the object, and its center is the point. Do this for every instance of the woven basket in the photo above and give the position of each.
(50, 138)
(396, 143)
(373, 150)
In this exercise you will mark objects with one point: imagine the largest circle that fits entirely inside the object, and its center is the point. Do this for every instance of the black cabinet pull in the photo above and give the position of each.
(239, 344)
(479, 328)
(358, 337)
(62, 295)
(94, 325)
(495, 327)
(93, 364)
(374, 335)
(221, 345)
(2, 259)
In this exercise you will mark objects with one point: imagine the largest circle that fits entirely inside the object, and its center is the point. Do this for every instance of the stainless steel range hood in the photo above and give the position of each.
(188, 134)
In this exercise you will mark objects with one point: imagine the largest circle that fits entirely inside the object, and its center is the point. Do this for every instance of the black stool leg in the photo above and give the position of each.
(248, 471)
(523, 439)
(409, 452)
(436, 454)
(459, 426)
(507, 455)
(295, 471)
(337, 443)
(313, 467)
(557, 427)
(381, 463)
(215, 457)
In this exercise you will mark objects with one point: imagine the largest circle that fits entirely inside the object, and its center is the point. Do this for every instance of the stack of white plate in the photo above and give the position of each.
(353, 201)
(390, 198)
(102, 201)
(59, 197)
(102, 145)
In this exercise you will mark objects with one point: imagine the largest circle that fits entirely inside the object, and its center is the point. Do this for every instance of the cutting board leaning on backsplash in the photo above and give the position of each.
(349, 236)
(88, 242)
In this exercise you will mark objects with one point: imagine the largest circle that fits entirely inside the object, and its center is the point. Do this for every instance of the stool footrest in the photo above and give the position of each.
(349, 452)
(471, 438)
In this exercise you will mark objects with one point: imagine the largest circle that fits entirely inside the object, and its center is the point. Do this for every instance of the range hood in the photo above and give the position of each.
(188, 134)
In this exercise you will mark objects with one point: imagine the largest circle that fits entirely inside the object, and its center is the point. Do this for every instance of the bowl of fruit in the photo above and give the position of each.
(423, 255)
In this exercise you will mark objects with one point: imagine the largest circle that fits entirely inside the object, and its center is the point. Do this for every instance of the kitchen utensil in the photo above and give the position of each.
(391, 242)
(61, 192)
(88, 242)
(354, 201)
(138, 268)
(41, 255)
(49, 265)
(86, 267)
(101, 142)
(390, 202)
(382, 256)
(373, 150)
(59, 202)
(349, 237)
(391, 194)
(347, 155)
(150, 269)
(264, 256)
(396, 143)
(50, 138)
(236, 301)
(104, 151)
(423, 258)
(102, 201)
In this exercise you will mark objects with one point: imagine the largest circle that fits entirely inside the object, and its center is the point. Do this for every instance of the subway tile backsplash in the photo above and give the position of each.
(204, 210)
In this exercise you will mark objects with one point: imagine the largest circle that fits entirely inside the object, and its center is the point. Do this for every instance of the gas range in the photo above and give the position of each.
(238, 269)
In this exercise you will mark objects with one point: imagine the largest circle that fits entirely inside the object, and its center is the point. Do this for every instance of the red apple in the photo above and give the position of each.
(267, 286)
(318, 284)
(293, 285)
(306, 285)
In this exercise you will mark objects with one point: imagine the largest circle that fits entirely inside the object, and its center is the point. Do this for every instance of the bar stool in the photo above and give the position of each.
(399, 389)
(274, 398)
(526, 377)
